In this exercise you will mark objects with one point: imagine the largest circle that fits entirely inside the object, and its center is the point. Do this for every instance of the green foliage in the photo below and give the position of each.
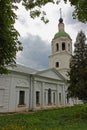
(78, 68)
(72, 118)
(9, 43)
(35, 8)
(80, 11)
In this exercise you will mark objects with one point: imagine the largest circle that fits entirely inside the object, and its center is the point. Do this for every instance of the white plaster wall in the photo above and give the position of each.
(5, 87)
(59, 41)
(53, 89)
(19, 83)
(63, 59)
(13, 83)
(38, 88)
(42, 85)
(61, 56)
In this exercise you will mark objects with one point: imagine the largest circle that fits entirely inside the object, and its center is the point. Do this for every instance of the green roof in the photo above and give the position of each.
(61, 34)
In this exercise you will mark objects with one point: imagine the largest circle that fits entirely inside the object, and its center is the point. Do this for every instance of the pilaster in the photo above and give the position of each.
(42, 95)
(57, 97)
(34, 95)
(64, 100)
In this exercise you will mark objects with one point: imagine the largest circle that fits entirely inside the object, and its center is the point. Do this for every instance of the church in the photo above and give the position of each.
(26, 89)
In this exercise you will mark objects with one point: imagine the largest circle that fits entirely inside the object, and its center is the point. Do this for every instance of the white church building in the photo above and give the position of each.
(26, 89)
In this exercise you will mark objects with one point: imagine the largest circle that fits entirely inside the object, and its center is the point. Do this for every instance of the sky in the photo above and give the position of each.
(36, 36)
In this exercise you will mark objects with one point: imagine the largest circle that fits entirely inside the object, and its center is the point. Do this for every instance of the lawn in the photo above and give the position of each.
(70, 118)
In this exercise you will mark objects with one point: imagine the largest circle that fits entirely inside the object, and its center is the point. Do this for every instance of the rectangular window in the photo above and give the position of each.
(1, 96)
(37, 97)
(60, 98)
(57, 64)
(44, 97)
(21, 97)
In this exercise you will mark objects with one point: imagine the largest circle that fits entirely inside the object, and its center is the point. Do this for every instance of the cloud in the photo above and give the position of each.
(35, 33)
(35, 52)
(25, 24)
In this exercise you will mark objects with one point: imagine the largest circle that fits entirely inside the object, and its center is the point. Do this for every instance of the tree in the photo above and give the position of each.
(9, 43)
(34, 6)
(80, 11)
(78, 69)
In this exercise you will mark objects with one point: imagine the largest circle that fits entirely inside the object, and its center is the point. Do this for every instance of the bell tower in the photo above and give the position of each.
(61, 46)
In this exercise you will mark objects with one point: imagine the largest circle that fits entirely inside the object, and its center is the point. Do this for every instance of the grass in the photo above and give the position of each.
(70, 118)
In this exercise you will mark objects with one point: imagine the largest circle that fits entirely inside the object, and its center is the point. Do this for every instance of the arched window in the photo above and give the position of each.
(57, 47)
(63, 45)
(49, 96)
(57, 64)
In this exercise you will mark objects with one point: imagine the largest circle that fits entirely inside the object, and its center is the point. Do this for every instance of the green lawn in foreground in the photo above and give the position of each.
(71, 118)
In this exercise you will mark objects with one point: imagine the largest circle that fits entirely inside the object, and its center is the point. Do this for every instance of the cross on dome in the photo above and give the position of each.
(60, 13)
(60, 20)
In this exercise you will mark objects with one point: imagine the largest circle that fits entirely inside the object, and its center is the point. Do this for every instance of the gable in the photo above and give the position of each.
(51, 73)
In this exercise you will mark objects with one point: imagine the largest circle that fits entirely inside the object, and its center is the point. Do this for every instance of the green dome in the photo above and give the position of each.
(61, 34)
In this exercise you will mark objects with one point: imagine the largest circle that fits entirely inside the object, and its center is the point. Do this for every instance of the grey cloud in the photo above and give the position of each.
(35, 52)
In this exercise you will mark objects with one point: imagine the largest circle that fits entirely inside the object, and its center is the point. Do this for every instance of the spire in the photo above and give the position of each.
(61, 24)
(60, 13)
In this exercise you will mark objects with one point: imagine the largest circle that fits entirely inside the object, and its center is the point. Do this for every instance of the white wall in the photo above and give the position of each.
(19, 83)
(43, 85)
(4, 92)
(10, 85)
